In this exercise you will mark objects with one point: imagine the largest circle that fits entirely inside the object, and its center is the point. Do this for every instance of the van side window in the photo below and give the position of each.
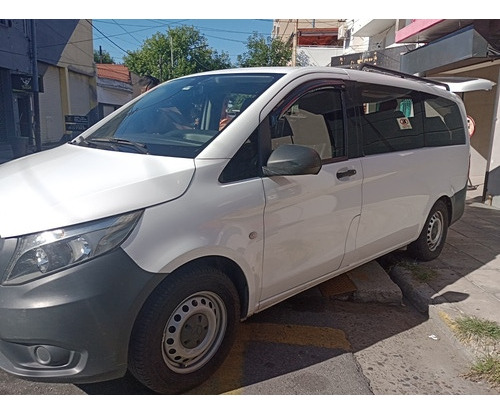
(314, 120)
(391, 119)
(443, 123)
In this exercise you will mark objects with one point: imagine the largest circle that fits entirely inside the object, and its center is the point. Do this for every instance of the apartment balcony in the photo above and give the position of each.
(370, 27)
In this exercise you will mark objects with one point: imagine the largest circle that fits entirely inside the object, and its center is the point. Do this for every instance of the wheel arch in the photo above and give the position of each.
(193, 314)
(231, 269)
(432, 236)
(447, 201)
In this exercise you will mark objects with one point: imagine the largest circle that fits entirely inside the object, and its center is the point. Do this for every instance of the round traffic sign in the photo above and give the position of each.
(471, 125)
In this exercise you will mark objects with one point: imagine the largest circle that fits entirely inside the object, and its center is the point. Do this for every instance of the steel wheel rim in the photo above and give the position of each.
(194, 332)
(435, 230)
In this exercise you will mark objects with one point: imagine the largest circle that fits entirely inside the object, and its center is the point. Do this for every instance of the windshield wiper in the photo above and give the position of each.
(114, 143)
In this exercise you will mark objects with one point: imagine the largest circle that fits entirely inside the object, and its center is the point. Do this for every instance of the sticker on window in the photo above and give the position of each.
(404, 123)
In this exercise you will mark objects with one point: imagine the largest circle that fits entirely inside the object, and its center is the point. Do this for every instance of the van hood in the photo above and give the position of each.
(71, 184)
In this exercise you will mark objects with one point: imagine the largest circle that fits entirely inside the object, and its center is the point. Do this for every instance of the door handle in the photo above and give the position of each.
(346, 173)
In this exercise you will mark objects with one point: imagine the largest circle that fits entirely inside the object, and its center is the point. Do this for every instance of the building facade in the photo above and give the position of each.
(441, 48)
(464, 48)
(115, 87)
(314, 41)
(16, 87)
(47, 83)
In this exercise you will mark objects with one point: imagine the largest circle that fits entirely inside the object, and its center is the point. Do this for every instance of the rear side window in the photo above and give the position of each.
(390, 119)
(443, 123)
(394, 119)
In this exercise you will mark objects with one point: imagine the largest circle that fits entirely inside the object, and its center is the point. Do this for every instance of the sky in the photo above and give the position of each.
(117, 36)
(123, 26)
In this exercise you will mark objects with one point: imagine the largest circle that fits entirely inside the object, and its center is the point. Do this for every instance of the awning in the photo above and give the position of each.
(386, 58)
(462, 48)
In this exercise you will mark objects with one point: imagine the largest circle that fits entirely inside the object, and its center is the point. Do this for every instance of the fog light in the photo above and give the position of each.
(43, 355)
(51, 355)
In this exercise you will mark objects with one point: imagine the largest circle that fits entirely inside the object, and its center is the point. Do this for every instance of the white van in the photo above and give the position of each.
(142, 243)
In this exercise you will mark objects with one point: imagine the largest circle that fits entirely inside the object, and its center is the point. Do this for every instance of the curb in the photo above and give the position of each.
(373, 284)
(420, 294)
(368, 283)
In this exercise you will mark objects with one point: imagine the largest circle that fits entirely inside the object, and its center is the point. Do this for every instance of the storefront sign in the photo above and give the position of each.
(386, 58)
(25, 83)
(76, 119)
(76, 127)
(76, 122)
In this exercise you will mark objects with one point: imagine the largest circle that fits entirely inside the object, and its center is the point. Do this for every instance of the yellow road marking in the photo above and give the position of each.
(296, 335)
(229, 378)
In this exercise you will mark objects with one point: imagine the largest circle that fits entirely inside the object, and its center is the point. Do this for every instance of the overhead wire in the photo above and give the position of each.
(61, 61)
(126, 31)
(167, 24)
(141, 28)
(118, 46)
(62, 37)
(161, 24)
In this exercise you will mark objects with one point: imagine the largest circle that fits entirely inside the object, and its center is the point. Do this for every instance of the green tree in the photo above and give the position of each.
(263, 51)
(102, 57)
(178, 52)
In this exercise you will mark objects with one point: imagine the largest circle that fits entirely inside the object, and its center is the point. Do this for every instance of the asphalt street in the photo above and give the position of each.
(316, 344)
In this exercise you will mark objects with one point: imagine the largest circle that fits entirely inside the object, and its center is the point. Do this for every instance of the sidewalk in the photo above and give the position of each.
(468, 269)
(465, 280)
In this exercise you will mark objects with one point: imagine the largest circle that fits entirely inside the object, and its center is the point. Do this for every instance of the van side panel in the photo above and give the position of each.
(211, 219)
(416, 151)
(400, 188)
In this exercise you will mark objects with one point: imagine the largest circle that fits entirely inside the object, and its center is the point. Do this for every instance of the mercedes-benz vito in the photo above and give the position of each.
(142, 243)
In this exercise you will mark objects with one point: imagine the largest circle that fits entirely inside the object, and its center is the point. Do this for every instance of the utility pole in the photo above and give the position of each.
(294, 42)
(171, 71)
(160, 64)
(171, 52)
(36, 87)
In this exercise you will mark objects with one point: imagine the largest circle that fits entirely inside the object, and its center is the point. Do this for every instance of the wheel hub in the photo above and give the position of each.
(435, 231)
(194, 332)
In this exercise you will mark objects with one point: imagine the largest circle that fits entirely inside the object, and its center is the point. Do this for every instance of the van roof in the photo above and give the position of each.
(373, 74)
(460, 84)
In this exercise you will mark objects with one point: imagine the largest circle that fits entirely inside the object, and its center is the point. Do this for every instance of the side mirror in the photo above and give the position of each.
(292, 160)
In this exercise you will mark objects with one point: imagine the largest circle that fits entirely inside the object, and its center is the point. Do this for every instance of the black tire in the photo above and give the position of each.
(184, 331)
(431, 241)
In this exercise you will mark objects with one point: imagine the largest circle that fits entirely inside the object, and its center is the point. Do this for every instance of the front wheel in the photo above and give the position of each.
(431, 241)
(185, 330)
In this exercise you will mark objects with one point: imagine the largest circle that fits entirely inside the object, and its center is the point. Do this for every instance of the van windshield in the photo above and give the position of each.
(180, 117)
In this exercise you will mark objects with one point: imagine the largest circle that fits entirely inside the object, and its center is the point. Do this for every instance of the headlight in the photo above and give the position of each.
(45, 252)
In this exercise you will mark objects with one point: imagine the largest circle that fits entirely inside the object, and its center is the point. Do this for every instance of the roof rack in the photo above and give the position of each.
(374, 68)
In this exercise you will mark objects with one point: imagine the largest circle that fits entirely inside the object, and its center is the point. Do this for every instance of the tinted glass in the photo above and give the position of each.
(180, 117)
(315, 120)
(394, 119)
(245, 163)
(443, 122)
(390, 120)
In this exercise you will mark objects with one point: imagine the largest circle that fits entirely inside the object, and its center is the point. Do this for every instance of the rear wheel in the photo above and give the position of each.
(185, 330)
(433, 236)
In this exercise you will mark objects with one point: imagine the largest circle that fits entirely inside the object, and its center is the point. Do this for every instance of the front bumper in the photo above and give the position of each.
(73, 326)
